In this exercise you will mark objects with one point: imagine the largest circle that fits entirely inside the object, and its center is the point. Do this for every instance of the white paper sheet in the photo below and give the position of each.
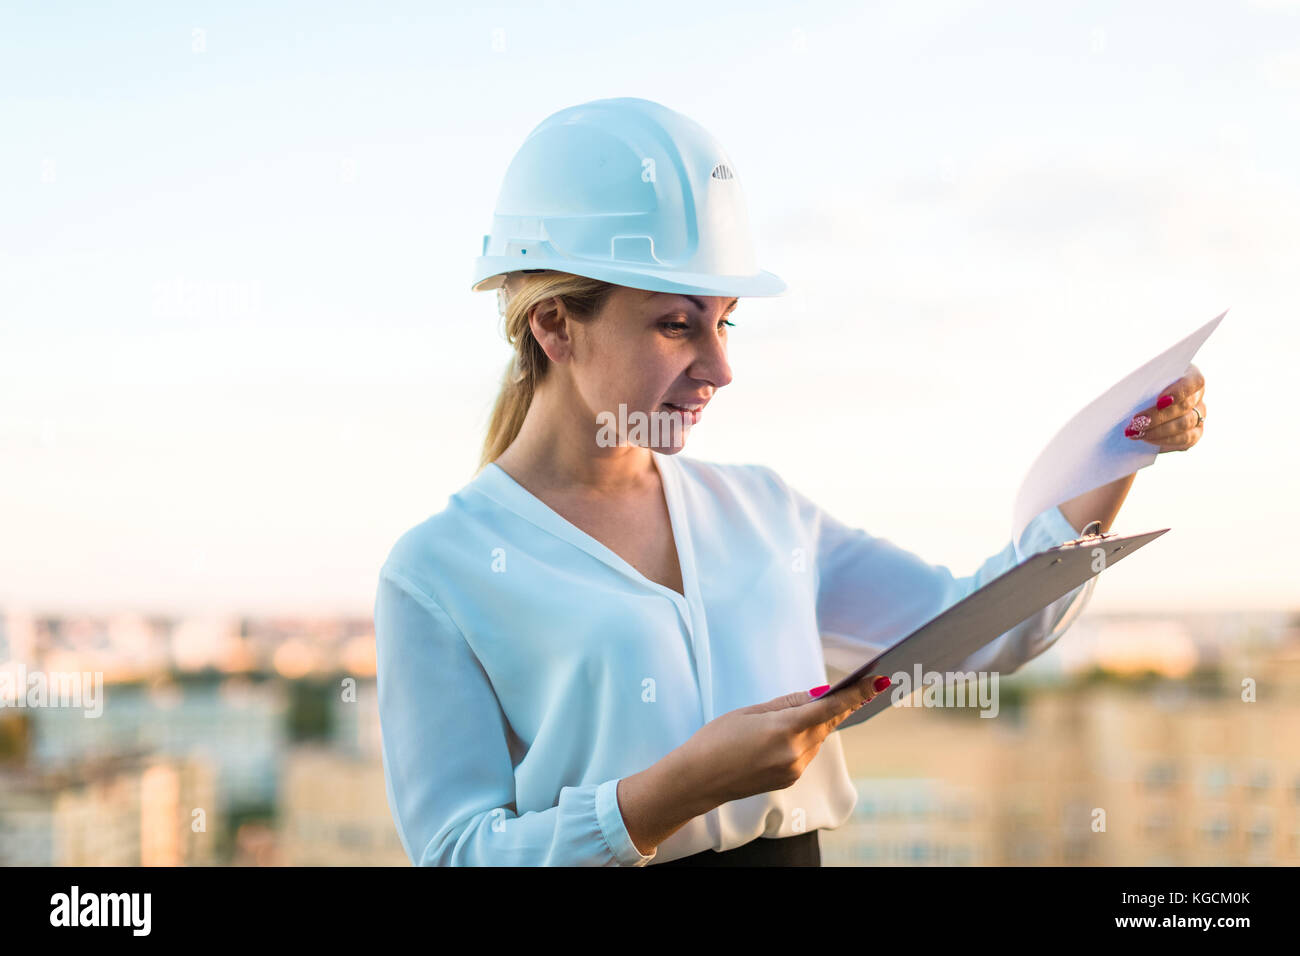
(1092, 449)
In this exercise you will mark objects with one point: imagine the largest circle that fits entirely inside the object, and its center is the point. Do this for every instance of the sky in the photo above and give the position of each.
(239, 354)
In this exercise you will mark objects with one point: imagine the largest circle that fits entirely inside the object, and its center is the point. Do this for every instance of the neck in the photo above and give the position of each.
(556, 448)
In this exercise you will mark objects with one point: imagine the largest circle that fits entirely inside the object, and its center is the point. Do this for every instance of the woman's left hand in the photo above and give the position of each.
(1177, 420)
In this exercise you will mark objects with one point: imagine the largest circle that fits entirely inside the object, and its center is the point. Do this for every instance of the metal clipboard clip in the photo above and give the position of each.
(1088, 536)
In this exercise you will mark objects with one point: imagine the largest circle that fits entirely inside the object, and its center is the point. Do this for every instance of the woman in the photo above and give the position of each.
(597, 653)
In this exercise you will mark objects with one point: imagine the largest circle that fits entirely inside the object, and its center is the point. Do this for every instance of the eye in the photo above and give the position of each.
(679, 327)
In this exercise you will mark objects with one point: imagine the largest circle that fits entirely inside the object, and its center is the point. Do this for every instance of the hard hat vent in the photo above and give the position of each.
(722, 171)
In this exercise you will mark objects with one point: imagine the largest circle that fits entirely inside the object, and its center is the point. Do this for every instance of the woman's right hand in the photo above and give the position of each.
(768, 746)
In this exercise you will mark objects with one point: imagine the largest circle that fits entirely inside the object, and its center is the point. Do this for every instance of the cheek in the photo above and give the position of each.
(612, 383)
(630, 386)
(652, 385)
(641, 377)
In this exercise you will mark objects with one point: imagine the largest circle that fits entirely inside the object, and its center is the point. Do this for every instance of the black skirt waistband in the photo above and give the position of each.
(802, 849)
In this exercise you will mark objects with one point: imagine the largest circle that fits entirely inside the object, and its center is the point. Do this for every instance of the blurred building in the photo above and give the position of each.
(334, 811)
(235, 724)
(127, 810)
(356, 722)
(1102, 774)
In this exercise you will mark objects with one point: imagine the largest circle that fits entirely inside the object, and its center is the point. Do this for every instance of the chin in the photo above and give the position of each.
(655, 430)
(670, 440)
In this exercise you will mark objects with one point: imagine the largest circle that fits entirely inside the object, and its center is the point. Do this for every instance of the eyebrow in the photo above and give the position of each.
(699, 304)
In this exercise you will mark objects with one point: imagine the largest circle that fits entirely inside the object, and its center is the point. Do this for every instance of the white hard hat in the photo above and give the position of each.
(630, 192)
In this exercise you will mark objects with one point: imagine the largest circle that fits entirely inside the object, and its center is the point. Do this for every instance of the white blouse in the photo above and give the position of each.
(524, 667)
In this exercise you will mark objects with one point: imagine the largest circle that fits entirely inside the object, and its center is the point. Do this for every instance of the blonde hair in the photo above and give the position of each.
(582, 297)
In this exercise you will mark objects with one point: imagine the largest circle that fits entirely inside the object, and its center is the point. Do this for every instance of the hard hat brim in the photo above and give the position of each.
(490, 273)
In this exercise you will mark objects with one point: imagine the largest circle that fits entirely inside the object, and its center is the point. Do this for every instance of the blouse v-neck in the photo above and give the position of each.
(497, 483)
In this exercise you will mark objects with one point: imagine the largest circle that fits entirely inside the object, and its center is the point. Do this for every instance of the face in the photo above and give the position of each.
(660, 355)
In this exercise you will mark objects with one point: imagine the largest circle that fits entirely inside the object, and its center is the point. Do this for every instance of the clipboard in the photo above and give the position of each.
(994, 609)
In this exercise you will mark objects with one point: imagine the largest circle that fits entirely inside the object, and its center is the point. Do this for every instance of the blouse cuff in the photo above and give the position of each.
(1047, 530)
(614, 829)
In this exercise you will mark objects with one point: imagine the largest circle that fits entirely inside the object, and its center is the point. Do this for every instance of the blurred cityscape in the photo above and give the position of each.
(1137, 740)
(247, 742)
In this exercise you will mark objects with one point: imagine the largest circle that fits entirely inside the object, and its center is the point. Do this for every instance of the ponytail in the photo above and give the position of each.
(582, 297)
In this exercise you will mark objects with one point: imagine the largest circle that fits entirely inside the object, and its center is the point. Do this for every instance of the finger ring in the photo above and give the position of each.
(1199, 417)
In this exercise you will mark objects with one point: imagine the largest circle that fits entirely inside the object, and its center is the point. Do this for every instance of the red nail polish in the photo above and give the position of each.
(818, 691)
(881, 683)
(1165, 401)
(1131, 432)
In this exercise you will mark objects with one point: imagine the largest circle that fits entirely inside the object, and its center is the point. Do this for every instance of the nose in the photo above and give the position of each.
(710, 363)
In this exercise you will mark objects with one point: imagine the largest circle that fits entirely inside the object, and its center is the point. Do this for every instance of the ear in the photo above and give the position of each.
(553, 328)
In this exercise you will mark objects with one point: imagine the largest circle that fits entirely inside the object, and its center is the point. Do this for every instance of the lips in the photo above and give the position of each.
(690, 415)
(691, 404)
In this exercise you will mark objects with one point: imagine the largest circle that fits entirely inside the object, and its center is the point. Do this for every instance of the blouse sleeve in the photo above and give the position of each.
(871, 593)
(448, 771)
